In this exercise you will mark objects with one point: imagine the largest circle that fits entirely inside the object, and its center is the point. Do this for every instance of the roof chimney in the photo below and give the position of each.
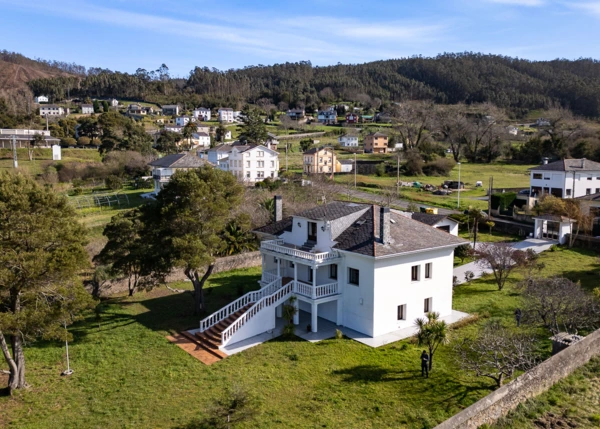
(278, 208)
(544, 160)
(384, 224)
(583, 162)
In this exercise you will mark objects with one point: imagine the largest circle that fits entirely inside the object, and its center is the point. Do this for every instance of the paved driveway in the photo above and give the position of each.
(538, 246)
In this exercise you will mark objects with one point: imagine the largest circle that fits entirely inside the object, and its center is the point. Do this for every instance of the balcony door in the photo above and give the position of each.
(312, 231)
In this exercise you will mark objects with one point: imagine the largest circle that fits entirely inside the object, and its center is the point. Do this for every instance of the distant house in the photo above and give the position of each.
(383, 117)
(170, 110)
(251, 164)
(87, 109)
(272, 141)
(541, 122)
(352, 118)
(202, 113)
(237, 115)
(438, 221)
(227, 135)
(24, 137)
(201, 139)
(135, 109)
(348, 141)
(513, 131)
(40, 99)
(113, 102)
(568, 178)
(366, 118)
(327, 117)
(184, 120)
(225, 114)
(52, 110)
(215, 154)
(296, 114)
(346, 165)
(164, 168)
(319, 160)
(376, 143)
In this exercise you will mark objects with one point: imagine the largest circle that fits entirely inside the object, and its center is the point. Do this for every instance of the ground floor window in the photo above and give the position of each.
(402, 312)
(427, 305)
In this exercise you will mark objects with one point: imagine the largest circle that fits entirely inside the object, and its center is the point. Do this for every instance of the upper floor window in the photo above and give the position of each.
(261, 164)
(260, 153)
(537, 175)
(428, 270)
(353, 276)
(590, 177)
(272, 163)
(414, 273)
(333, 271)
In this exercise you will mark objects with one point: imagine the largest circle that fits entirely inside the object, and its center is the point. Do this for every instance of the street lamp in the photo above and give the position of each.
(458, 185)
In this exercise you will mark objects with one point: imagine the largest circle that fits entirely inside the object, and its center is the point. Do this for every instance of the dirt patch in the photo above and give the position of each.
(553, 421)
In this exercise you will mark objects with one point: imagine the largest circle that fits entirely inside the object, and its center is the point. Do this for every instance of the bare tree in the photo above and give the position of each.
(482, 125)
(496, 353)
(502, 258)
(451, 122)
(412, 122)
(560, 305)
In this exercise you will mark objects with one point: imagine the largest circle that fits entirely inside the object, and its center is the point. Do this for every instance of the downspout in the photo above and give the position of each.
(573, 191)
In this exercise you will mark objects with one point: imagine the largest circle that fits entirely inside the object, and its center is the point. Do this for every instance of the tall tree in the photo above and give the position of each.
(253, 127)
(432, 333)
(41, 253)
(188, 132)
(191, 214)
(413, 122)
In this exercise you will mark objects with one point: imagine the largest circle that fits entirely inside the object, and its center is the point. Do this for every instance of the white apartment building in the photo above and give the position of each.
(52, 110)
(225, 114)
(251, 164)
(202, 113)
(568, 178)
(366, 269)
(348, 141)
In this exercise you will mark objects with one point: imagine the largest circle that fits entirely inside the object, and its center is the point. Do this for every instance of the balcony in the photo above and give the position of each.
(280, 246)
(302, 288)
(162, 174)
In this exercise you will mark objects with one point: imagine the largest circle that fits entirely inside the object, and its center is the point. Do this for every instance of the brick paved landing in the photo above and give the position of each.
(196, 350)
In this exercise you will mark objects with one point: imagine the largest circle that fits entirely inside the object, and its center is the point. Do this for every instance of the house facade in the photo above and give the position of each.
(164, 168)
(348, 141)
(40, 99)
(359, 266)
(225, 114)
(376, 143)
(202, 113)
(327, 116)
(136, 109)
(201, 139)
(114, 102)
(567, 178)
(352, 118)
(52, 110)
(319, 160)
(182, 121)
(296, 114)
(251, 164)
(170, 110)
(87, 109)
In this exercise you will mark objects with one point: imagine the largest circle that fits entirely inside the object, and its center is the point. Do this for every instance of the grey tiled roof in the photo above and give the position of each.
(277, 228)
(591, 197)
(428, 219)
(331, 211)
(570, 165)
(180, 160)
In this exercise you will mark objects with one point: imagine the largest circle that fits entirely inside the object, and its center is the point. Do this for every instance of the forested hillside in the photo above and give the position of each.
(515, 84)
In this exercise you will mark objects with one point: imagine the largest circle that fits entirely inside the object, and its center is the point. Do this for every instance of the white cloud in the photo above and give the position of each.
(520, 2)
(591, 7)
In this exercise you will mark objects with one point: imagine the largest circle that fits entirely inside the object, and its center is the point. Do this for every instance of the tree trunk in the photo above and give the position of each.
(19, 357)
(12, 365)
(430, 359)
(500, 380)
(198, 284)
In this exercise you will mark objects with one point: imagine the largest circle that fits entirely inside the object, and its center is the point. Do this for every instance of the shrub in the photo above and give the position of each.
(338, 334)
(113, 182)
(439, 167)
(469, 275)
(289, 330)
(83, 141)
(68, 141)
(77, 191)
(380, 170)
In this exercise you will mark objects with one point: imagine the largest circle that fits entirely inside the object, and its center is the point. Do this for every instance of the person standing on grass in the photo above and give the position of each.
(425, 364)
(518, 315)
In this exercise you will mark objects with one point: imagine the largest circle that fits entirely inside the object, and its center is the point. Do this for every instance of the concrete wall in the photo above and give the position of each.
(528, 385)
(358, 304)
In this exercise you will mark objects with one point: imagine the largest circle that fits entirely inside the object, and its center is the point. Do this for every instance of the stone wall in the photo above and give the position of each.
(528, 385)
(510, 227)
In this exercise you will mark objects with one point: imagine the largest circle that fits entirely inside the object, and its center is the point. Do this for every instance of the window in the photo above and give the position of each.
(248, 164)
(291, 264)
(588, 191)
(590, 177)
(260, 153)
(333, 271)
(546, 178)
(427, 305)
(353, 276)
(597, 190)
(402, 312)
(260, 174)
(261, 164)
(414, 273)
(272, 164)
(272, 174)
(428, 270)
(248, 174)
(568, 192)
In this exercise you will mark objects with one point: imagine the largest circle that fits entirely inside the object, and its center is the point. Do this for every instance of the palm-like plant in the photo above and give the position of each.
(238, 239)
(432, 333)
(269, 205)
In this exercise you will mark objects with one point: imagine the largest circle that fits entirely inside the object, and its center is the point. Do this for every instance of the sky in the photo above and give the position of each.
(128, 34)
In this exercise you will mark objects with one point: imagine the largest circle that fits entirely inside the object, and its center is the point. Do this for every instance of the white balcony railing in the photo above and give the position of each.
(280, 247)
(269, 276)
(315, 292)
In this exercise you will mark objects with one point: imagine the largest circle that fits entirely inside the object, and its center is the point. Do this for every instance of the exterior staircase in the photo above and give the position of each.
(308, 246)
(211, 338)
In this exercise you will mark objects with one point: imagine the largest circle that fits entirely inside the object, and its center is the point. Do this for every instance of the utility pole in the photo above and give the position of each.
(286, 155)
(458, 205)
(15, 161)
(354, 170)
(398, 174)
(491, 189)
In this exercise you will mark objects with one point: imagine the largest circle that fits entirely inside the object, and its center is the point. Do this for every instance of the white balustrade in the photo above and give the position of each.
(269, 276)
(320, 291)
(277, 246)
(239, 303)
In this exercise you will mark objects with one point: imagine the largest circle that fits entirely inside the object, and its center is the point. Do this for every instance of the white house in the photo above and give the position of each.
(202, 113)
(40, 99)
(87, 109)
(52, 110)
(114, 102)
(438, 221)
(361, 267)
(225, 114)
(251, 164)
(215, 154)
(567, 178)
(170, 110)
(327, 116)
(512, 130)
(182, 121)
(165, 167)
(201, 139)
(348, 141)
(346, 165)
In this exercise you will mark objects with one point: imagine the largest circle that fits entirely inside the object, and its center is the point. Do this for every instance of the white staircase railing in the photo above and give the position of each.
(273, 299)
(269, 276)
(239, 303)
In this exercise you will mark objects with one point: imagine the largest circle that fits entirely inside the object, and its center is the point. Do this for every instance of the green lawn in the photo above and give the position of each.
(128, 375)
(43, 157)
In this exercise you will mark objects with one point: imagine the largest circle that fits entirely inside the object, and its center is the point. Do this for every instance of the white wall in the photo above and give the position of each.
(393, 287)
(452, 224)
(357, 301)
(561, 180)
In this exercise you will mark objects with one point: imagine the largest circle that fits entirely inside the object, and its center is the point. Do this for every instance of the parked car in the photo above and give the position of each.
(524, 191)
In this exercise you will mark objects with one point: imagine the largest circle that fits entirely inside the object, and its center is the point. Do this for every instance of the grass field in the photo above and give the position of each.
(43, 157)
(128, 375)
